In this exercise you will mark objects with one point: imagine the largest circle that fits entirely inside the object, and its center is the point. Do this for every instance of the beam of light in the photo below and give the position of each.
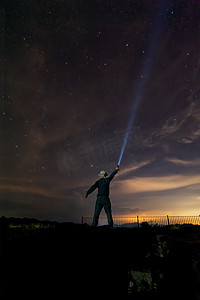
(147, 64)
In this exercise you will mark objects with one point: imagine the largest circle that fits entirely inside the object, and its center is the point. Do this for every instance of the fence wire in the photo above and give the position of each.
(138, 221)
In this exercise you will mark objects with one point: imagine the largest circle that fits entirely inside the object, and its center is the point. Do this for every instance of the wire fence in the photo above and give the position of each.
(139, 221)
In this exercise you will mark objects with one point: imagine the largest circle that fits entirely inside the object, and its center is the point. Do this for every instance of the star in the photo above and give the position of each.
(71, 86)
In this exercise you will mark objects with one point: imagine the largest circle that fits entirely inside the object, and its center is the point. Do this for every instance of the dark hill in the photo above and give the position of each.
(73, 260)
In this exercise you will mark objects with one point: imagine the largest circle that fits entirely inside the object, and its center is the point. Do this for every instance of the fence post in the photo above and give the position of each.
(168, 220)
(138, 221)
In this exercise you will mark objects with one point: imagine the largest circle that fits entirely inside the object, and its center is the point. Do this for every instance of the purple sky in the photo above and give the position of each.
(71, 71)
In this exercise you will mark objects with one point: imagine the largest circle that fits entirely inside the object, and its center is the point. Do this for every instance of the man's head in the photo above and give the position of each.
(103, 174)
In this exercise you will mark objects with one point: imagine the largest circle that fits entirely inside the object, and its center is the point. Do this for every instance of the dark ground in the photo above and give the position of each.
(78, 261)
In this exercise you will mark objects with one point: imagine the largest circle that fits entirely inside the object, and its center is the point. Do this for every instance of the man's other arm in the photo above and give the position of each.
(93, 187)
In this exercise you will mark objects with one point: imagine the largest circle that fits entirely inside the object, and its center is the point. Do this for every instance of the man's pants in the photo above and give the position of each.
(102, 202)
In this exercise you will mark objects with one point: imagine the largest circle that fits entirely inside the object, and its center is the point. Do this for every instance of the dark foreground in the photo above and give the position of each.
(69, 260)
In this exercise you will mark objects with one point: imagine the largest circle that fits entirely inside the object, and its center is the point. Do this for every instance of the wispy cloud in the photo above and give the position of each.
(182, 162)
(185, 141)
(49, 188)
(42, 200)
(33, 190)
(129, 210)
(181, 126)
(153, 184)
(134, 167)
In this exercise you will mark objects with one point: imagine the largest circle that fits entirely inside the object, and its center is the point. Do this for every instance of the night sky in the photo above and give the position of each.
(71, 71)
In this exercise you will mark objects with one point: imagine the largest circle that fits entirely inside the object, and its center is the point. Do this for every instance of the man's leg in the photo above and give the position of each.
(107, 207)
(97, 210)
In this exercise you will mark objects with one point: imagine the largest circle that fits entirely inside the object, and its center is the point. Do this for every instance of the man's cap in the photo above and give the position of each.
(103, 174)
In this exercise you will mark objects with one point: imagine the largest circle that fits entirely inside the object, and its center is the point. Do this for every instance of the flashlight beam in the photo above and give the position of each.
(130, 123)
(147, 64)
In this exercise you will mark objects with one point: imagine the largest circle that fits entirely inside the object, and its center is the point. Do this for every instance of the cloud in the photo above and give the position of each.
(128, 210)
(182, 162)
(185, 125)
(185, 141)
(47, 188)
(134, 167)
(44, 201)
(155, 184)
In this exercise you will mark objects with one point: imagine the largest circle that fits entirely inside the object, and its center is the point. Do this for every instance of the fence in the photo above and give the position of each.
(137, 221)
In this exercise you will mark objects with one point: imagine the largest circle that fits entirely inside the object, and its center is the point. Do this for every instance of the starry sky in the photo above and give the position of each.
(71, 72)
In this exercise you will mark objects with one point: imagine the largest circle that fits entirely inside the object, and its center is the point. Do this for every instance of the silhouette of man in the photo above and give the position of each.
(103, 200)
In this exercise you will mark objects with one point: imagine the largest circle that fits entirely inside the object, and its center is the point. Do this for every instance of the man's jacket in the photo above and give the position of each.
(103, 185)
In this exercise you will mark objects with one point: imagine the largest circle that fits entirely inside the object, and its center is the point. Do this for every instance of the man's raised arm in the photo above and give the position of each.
(113, 173)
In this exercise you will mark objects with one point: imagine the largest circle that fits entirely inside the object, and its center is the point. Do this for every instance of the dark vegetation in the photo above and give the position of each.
(60, 260)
